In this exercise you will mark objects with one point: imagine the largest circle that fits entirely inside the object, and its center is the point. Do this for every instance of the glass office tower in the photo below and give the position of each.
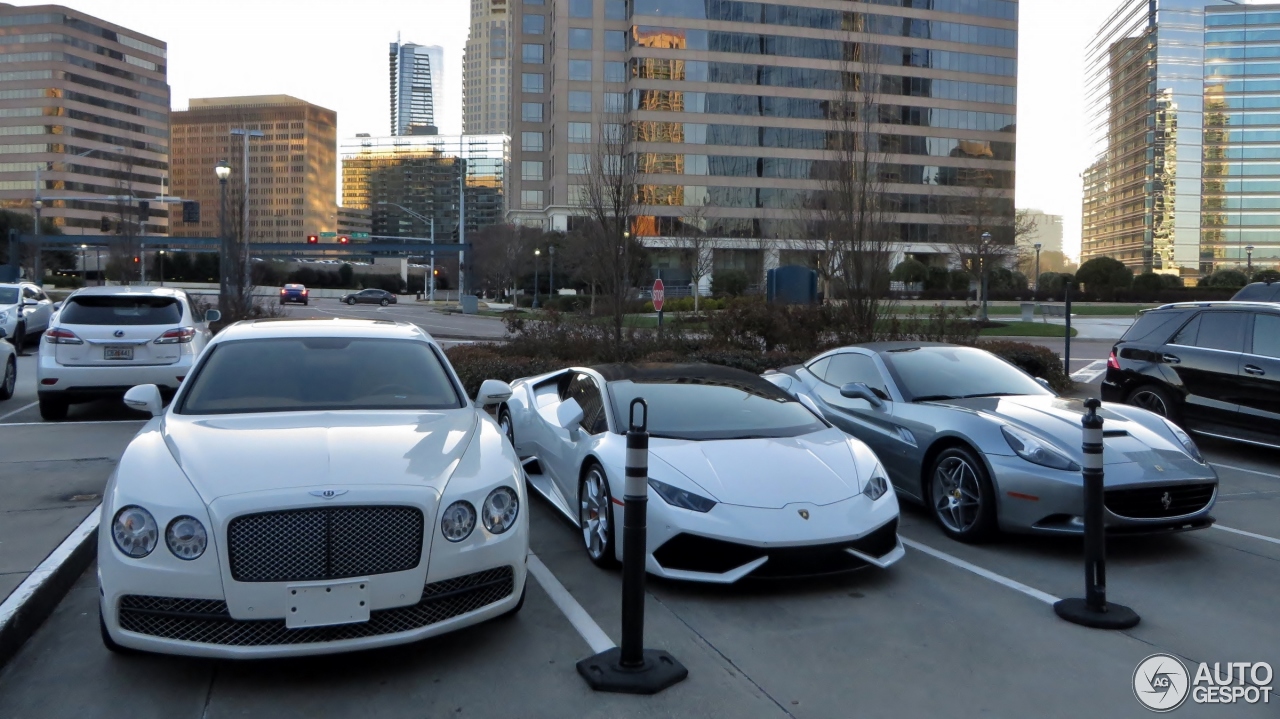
(417, 72)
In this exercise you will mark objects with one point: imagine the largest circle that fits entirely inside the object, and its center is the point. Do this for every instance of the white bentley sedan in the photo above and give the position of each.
(314, 487)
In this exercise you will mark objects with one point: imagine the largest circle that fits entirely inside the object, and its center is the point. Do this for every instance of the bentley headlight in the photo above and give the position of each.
(186, 538)
(677, 497)
(458, 521)
(877, 486)
(1037, 450)
(134, 531)
(1188, 444)
(500, 510)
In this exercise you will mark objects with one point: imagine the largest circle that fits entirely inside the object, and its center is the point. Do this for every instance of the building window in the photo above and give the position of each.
(531, 170)
(531, 54)
(579, 38)
(531, 141)
(531, 199)
(578, 196)
(615, 72)
(534, 24)
(580, 70)
(615, 9)
(615, 102)
(533, 82)
(611, 132)
(579, 132)
(579, 164)
(580, 8)
(615, 41)
(531, 111)
(579, 101)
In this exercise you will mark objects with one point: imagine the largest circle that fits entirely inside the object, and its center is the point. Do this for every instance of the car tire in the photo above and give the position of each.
(384, 302)
(351, 300)
(10, 378)
(20, 338)
(504, 423)
(53, 410)
(958, 478)
(1153, 398)
(593, 497)
(110, 643)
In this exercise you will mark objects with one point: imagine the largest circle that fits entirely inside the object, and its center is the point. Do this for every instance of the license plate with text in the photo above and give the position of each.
(118, 353)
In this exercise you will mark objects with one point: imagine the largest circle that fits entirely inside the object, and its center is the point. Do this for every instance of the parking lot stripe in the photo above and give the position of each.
(577, 616)
(1242, 469)
(984, 573)
(20, 409)
(1243, 533)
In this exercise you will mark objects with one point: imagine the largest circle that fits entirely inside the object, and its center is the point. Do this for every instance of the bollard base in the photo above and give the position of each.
(604, 673)
(1077, 611)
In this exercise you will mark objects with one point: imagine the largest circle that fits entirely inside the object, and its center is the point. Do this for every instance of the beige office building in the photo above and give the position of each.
(292, 168)
(729, 105)
(84, 106)
(486, 86)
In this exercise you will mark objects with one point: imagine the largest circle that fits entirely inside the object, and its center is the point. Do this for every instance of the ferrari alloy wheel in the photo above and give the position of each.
(595, 516)
(1152, 399)
(961, 496)
(504, 423)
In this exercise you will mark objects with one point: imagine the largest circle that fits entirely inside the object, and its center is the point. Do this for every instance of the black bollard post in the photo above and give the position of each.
(1094, 610)
(1066, 356)
(632, 669)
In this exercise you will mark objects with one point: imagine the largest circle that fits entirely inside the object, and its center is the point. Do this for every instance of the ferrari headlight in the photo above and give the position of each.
(677, 497)
(500, 510)
(134, 531)
(1187, 443)
(186, 538)
(1037, 450)
(458, 521)
(877, 486)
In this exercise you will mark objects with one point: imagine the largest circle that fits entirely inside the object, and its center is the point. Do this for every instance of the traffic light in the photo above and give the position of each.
(435, 272)
(190, 211)
(136, 260)
(313, 239)
(344, 240)
(106, 224)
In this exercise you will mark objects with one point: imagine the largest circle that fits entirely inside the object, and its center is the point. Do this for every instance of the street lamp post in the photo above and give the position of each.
(431, 296)
(536, 254)
(1248, 251)
(552, 262)
(161, 253)
(983, 284)
(1037, 283)
(244, 168)
(84, 269)
(223, 171)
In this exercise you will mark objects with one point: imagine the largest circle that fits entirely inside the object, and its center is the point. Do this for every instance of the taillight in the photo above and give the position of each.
(182, 335)
(306, 292)
(284, 292)
(62, 337)
(1112, 362)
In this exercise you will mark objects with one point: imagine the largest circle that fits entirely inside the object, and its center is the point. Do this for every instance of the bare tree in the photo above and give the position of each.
(502, 254)
(696, 252)
(980, 232)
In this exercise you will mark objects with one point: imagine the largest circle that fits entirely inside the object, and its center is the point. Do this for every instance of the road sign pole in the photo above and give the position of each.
(631, 668)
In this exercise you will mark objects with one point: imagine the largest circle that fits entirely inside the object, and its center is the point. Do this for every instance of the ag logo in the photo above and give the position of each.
(1161, 683)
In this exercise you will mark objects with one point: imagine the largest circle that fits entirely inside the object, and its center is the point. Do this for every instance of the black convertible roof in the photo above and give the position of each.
(708, 374)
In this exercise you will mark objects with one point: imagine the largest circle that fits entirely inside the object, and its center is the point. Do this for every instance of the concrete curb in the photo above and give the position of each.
(35, 599)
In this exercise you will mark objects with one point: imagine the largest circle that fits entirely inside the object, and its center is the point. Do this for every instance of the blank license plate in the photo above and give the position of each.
(321, 605)
(118, 353)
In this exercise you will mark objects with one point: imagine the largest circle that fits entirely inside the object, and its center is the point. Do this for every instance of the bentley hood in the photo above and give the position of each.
(817, 468)
(234, 454)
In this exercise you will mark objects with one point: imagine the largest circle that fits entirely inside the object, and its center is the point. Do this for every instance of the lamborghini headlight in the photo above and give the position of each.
(877, 486)
(683, 499)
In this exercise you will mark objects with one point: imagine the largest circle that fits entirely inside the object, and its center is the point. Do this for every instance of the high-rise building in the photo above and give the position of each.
(417, 79)
(84, 113)
(1046, 230)
(486, 86)
(733, 106)
(292, 167)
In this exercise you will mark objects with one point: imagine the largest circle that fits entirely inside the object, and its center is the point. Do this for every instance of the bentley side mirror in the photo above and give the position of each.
(860, 390)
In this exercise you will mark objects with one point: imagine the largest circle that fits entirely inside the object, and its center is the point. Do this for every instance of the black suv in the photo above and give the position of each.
(1212, 367)
(1258, 292)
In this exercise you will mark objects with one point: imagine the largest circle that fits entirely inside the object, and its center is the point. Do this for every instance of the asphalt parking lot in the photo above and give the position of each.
(951, 630)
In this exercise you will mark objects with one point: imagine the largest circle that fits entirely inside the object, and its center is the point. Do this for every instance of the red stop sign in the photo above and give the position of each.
(659, 295)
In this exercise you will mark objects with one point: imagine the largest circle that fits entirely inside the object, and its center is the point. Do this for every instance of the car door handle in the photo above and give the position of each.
(1253, 370)
(1171, 359)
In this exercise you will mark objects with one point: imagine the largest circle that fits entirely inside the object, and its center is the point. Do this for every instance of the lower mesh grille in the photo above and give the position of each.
(1159, 502)
(693, 553)
(207, 621)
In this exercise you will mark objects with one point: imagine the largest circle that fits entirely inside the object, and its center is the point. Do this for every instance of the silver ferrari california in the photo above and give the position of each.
(985, 446)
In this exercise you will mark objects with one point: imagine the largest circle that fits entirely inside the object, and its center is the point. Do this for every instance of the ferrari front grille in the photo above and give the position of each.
(1159, 502)
(324, 543)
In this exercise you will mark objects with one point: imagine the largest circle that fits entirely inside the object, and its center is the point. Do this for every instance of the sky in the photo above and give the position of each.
(334, 54)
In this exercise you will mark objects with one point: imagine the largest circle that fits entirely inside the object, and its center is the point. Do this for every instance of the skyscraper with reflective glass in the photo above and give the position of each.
(730, 106)
(486, 85)
(417, 74)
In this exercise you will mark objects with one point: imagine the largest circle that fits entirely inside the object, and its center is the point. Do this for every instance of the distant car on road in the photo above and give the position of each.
(294, 293)
(315, 487)
(24, 312)
(1212, 367)
(1258, 292)
(985, 446)
(370, 297)
(105, 340)
(8, 370)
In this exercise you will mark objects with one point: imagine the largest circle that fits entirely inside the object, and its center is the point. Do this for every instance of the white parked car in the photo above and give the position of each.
(744, 480)
(8, 370)
(105, 340)
(314, 487)
(24, 312)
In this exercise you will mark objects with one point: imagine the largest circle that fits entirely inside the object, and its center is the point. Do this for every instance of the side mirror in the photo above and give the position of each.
(57, 305)
(493, 391)
(30, 303)
(569, 414)
(145, 397)
(860, 390)
(212, 316)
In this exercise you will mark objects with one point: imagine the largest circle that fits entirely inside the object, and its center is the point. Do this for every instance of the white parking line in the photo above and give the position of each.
(49, 566)
(1094, 370)
(577, 616)
(984, 573)
(1243, 533)
(1242, 469)
(20, 409)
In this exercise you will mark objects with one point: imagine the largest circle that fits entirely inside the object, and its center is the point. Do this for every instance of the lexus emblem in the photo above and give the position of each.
(1166, 500)
(328, 493)
(804, 514)
(118, 333)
